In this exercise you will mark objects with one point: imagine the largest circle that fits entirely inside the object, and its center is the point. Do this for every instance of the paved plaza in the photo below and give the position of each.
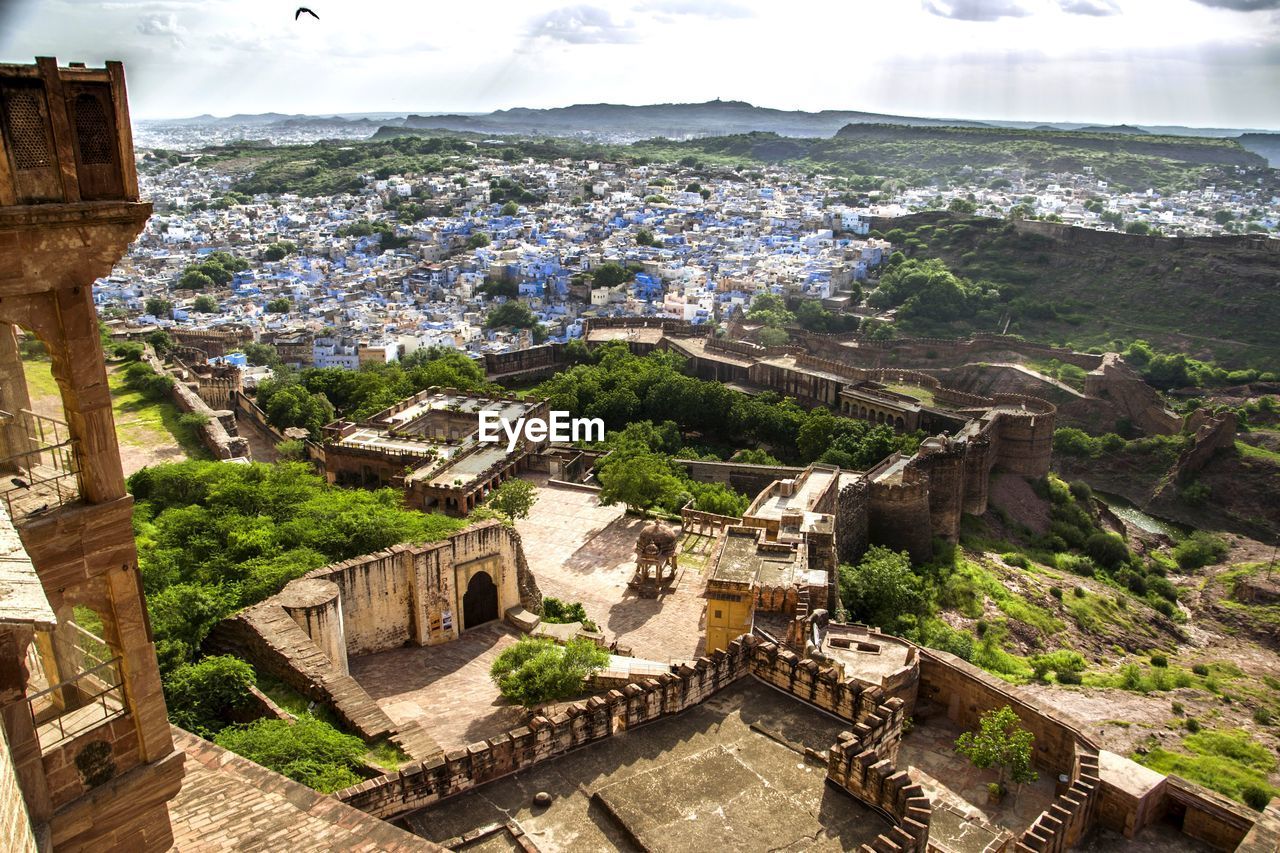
(445, 690)
(582, 551)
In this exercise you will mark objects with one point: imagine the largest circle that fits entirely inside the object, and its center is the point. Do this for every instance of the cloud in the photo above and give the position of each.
(164, 26)
(975, 10)
(713, 9)
(581, 25)
(1095, 8)
(1241, 5)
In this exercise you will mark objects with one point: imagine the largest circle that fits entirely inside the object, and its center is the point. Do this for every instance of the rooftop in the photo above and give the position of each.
(731, 773)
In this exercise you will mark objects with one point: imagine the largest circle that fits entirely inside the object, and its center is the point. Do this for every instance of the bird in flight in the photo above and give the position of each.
(301, 9)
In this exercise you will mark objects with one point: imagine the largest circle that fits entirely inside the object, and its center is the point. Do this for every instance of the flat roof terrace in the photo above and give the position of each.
(809, 486)
(468, 467)
(644, 336)
(368, 438)
(729, 774)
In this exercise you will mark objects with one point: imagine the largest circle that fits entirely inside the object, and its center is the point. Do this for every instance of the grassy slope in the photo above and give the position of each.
(141, 425)
(1215, 300)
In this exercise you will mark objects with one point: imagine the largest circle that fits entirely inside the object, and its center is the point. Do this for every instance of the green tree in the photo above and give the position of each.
(512, 313)
(279, 305)
(160, 341)
(128, 351)
(478, 240)
(294, 406)
(158, 306)
(639, 480)
(510, 209)
(610, 274)
(278, 251)
(772, 337)
(514, 499)
(1000, 742)
(962, 205)
(644, 237)
(882, 589)
(535, 671)
(194, 279)
(205, 304)
(263, 355)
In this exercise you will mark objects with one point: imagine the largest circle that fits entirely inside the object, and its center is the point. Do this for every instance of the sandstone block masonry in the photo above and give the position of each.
(405, 595)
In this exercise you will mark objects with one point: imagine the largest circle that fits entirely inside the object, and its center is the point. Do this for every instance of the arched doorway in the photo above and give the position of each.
(479, 602)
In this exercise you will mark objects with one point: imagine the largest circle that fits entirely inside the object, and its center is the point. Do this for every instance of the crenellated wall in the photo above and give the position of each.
(422, 783)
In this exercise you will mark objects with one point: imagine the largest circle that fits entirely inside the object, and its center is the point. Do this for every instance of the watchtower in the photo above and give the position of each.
(80, 700)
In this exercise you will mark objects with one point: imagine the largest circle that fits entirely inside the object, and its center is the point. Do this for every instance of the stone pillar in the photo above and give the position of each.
(316, 605)
(79, 366)
(14, 436)
(19, 728)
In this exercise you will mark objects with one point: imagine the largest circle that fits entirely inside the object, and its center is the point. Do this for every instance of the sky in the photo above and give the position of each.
(1207, 63)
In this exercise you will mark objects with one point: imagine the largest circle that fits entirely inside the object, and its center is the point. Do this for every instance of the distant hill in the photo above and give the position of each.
(1264, 144)
(1207, 296)
(1115, 128)
(712, 118)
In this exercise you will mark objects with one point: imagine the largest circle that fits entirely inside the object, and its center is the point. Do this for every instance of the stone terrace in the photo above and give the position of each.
(228, 803)
(728, 774)
(958, 790)
(582, 551)
(444, 689)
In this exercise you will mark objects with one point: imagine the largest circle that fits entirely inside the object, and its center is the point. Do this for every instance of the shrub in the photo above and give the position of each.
(1262, 716)
(1079, 592)
(1017, 560)
(1076, 564)
(1200, 669)
(1107, 549)
(1192, 725)
(1070, 678)
(534, 671)
(1159, 660)
(194, 420)
(293, 449)
(1081, 491)
(128, 351)
(1256, 797)
(202, 695)
(309, 751)
(559, 612)
(1059, 662)
(1165, 608)
(1056, 592)
(1199, 549)
(1177, 709)
(1131, 678)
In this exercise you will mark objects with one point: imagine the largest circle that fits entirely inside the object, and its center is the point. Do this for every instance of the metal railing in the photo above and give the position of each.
(44, 476)
(93, 695)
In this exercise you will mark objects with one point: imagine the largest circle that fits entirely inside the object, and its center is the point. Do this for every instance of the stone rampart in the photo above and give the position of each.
(422, 783)
(1072, 813)
(213, 432)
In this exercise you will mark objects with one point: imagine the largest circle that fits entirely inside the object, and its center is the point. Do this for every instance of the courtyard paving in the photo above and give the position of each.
(445, 690)
(929, 751)
(582, 551)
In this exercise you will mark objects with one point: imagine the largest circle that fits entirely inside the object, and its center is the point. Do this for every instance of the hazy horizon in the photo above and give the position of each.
(1194, 63)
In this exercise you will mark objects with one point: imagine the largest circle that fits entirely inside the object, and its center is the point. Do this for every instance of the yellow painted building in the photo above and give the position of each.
(731, 588)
